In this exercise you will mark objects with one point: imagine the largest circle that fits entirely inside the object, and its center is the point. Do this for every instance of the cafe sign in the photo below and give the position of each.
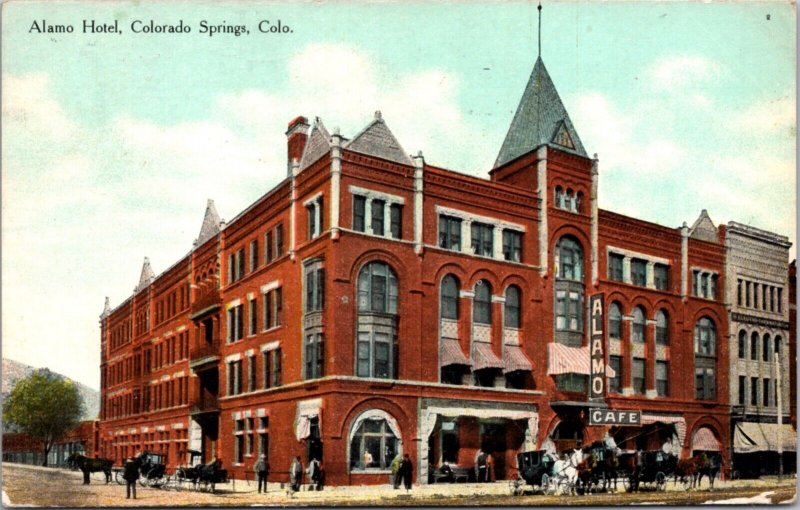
(615, 417)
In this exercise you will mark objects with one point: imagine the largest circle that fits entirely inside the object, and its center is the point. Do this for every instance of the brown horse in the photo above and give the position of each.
(691, 471)
(87, 465)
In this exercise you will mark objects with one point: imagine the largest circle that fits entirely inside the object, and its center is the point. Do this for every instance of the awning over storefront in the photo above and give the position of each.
(452, 353)
(749, 437)
(483, 357)
(431, 414)
(306, 411)
(562, 359)
(514, 359)
(678, 421)
(704, 440)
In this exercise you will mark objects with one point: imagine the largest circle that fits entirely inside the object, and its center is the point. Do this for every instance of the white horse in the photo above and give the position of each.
(565, 473)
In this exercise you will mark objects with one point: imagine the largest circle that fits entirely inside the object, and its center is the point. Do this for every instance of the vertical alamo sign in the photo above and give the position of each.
(597, 349)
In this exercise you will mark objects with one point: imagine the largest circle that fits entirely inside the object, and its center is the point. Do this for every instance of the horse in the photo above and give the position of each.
(87, 465)
(565, 470)
(210, 473)
(691, 471)
(603, 464)
(710, 468)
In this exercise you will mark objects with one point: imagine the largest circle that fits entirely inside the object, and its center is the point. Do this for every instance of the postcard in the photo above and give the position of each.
(398, 253)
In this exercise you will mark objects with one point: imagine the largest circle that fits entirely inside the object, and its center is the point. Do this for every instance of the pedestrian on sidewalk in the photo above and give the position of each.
(480, 466)
(396, 462)
(295, 474)
(130, 474)
(314, 475)
(260, 469)
(406, 470)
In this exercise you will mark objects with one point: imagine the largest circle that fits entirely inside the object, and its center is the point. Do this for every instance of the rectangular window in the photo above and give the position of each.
(661, 276)
(449, 233)
(272, 308)
(696, 283)
(234, 377)
(639, 272)
(711, 292)
(311, 212)
(315, 289)
(764, 290)
(235, 323)
(512, 245)
(277, 377)
(396, 213)
(780, 300)
(747, 287)
(765, 394)
(279, 240)
(754, 347)
(376, 213)
(482, 239)
(251, 373)
(638, 375)
(253, 317)
(754, 391)
(615, 267)
(314, 358)
(662, 378)
(240, 264)
(705, 383)
(766, 349)
(742, 390)
(739, 292)
(572, 382)
(615, 383)
(359, 210)
(253, 255)
(266, 360)
(268, 247)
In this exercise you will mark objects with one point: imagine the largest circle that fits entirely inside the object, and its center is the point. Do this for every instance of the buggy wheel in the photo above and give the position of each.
(661, 481)
(686, 481)
(118, 478)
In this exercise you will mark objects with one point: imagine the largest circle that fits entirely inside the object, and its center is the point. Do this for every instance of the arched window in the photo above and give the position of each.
(777, 346)
(376, 343)
(662, 328)
(512, 308)
(742, 344)
(705, 363)
(570, 205)
(766, 349)
(754, 346)
(705, 337)
(559, 197)
(377, 289)
(638, 325)
(578, 201)
(614, 321)
(482, 303)
(374, 441)
(449, 297)
(569, 259)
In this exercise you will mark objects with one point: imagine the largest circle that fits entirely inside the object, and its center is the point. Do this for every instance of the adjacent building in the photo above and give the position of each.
(374, 304)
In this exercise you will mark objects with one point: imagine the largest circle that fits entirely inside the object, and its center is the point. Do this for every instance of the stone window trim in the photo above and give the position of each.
(467, 219)
(388, 201)
(709, 274)
(628, 256)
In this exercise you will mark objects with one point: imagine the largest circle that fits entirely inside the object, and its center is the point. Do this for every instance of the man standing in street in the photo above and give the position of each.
(130, 474)
(260, 469)
(406, 471)
(480, 466)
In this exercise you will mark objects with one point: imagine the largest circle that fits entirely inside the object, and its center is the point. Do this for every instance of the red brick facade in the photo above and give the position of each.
(343, 364)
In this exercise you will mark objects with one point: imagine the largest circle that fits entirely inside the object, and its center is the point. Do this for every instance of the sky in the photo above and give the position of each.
(112, 143)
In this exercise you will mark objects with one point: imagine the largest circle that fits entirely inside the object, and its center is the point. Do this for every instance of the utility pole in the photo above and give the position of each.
(779, 402)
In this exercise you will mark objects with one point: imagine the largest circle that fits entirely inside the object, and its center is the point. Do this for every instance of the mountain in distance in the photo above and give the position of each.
(13, 371)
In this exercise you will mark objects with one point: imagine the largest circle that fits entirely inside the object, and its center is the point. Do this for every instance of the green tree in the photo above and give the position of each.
(44, 406)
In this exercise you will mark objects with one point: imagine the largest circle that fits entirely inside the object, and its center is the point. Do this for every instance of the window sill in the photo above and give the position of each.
(376, 471)
(270, 330)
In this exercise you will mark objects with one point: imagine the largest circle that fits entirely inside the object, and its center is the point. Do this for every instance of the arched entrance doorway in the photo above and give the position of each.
(567, 435)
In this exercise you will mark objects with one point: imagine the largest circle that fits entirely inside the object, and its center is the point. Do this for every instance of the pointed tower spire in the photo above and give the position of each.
(211, 223)
(541, 119)
(147, 275)
(540, 29)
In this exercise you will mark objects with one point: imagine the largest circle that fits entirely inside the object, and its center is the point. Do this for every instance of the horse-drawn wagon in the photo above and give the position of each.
(196, 475)
(535, 469)
(646, 469)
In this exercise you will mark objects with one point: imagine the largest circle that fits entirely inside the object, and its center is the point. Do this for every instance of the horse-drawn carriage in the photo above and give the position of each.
(152, 468)
(535, 469)
(196, 475)
(646, 469)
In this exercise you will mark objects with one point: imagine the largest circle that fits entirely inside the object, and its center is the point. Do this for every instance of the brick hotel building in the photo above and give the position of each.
(373, 304)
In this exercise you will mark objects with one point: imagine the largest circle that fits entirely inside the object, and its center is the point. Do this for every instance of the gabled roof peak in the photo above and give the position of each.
(541, 119)
(703, 228)
(378, 140)
(319, 142)
(146, 277)
(211, 224)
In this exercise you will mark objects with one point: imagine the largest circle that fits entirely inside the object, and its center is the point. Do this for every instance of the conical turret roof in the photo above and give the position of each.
(541, 119)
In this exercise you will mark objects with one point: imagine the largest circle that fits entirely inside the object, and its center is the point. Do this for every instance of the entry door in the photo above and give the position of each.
(493, 441)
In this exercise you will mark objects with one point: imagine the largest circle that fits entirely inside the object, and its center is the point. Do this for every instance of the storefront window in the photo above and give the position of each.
(373, 445)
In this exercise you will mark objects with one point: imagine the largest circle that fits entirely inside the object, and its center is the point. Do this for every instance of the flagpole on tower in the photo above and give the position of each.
(540, 28)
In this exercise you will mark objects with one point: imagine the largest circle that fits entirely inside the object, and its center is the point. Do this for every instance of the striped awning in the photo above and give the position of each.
(758, 437)
(562, 359)
(514, 359)
(704, 440)
(484, 357)
(452, 353)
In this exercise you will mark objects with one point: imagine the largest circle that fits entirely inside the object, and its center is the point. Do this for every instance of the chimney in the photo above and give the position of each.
(296, 135)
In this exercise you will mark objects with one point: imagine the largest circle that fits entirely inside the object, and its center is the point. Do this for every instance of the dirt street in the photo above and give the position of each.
(27, 485)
